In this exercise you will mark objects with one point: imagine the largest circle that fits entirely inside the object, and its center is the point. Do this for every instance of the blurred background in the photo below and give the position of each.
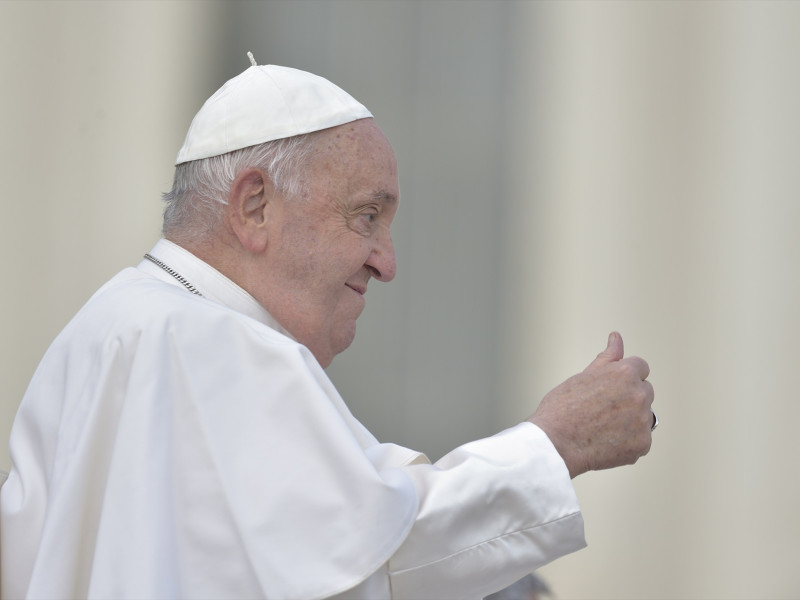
(567, 169)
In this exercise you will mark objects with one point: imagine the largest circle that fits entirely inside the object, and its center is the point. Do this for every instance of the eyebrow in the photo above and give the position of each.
(384, 196)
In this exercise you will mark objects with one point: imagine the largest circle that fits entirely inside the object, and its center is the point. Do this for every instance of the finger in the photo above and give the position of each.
(614, 351)
(639, 366)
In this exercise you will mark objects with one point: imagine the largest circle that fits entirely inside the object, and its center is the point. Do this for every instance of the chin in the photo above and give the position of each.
(343, 339)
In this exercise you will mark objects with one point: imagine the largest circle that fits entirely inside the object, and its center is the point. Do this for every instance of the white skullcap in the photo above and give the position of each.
(266, 103)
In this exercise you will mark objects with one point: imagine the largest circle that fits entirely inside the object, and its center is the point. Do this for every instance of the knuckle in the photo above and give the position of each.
(642, 397)
(626, 369)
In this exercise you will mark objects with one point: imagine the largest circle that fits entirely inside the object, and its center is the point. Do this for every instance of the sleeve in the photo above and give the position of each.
(475, 521)
(490, 512)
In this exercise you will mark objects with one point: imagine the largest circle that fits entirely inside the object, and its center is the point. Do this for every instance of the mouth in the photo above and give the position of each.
(358, 289)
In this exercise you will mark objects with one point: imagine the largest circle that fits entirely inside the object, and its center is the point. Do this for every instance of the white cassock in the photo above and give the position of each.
(178, 446)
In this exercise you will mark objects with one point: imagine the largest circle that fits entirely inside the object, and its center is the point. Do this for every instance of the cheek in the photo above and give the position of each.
(299, 253)
(343, 258)
(321, 258)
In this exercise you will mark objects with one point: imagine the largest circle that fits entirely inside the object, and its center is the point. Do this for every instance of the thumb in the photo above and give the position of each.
(614, 351)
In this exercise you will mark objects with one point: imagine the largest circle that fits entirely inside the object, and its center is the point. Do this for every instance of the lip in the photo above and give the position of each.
(359, 289)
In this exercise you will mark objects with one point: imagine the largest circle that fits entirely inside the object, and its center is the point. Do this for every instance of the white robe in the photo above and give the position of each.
(177, 446)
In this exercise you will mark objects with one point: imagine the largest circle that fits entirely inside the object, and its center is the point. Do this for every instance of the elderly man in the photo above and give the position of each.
(180, 438)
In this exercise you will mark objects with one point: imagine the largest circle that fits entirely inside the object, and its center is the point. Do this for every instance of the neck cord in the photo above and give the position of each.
(174, 273)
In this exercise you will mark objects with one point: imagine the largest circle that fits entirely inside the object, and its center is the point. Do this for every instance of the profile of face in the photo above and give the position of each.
(325, 247)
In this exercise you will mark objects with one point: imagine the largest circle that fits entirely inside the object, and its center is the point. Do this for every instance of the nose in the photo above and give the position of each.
(381, 262)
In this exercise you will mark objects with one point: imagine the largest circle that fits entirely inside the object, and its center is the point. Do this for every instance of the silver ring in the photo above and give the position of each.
(655, 421)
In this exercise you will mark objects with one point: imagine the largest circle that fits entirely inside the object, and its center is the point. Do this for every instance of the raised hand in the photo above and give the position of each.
(601, 418)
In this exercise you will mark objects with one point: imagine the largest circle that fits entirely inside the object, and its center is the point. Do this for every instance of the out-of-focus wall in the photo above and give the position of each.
(656, 191)
(566, 168)
(95, 98)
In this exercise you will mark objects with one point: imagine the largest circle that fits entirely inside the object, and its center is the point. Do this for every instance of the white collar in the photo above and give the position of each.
(207, 280)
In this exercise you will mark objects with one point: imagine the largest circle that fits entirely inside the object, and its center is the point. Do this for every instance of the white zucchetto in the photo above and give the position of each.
(265, 103)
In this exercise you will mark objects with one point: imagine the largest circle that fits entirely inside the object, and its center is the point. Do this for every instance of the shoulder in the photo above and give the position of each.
(138, 333)
(134, 308)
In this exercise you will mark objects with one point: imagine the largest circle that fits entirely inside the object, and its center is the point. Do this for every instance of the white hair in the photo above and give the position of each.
(200, 188)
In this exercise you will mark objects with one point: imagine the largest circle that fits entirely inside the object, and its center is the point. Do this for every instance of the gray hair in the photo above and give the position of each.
(200, 188)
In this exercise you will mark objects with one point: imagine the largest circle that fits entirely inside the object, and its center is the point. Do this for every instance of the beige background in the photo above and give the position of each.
(566, 169)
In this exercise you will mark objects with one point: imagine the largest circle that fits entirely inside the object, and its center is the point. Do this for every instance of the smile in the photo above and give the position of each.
(357, 288)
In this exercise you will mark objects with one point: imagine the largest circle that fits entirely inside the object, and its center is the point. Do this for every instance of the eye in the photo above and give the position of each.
(366, 222)
(363, 219)
(369, 214)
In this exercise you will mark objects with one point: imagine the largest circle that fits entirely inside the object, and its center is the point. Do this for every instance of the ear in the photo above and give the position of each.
(248, 205)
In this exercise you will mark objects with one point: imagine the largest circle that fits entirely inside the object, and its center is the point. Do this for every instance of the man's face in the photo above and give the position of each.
(324, 248)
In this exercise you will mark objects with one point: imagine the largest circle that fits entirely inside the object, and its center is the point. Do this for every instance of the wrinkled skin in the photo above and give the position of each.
(600, 418)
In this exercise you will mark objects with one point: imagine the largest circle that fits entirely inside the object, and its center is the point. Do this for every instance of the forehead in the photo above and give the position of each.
(358, 151)
(356, 134)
